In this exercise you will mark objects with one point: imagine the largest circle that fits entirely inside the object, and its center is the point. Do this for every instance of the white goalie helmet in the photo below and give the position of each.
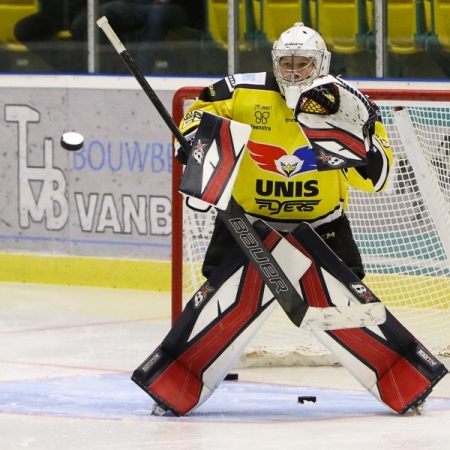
(299, 41)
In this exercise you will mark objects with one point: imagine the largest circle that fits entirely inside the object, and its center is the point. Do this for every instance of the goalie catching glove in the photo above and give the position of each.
(338, 121)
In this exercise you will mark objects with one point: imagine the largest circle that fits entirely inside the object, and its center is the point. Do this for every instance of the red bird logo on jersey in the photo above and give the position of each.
(276, 159)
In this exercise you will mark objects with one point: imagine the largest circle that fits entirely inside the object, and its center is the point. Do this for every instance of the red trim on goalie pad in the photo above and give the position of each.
(312, 288)
(178, 387)
(352, 143)
(311, 281)
(399, 382)
(220, 178)
(401, 385)
(271, 240)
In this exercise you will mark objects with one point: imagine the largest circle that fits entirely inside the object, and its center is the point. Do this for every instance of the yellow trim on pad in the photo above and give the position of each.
(418, 291)
(86, 271)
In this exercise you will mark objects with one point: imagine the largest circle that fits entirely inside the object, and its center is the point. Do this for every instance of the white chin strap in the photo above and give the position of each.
(292, 94)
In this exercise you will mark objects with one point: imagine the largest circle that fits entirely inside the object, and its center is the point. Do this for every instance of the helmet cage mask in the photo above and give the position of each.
(294, 76)
(299, 41)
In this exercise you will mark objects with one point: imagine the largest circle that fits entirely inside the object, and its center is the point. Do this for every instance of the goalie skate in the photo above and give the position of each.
(419, 408)
(158, 410)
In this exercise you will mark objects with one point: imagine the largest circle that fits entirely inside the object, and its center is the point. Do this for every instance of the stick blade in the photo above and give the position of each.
(342, 317)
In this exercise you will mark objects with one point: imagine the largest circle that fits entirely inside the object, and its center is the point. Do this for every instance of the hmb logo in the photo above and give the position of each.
(50, 202)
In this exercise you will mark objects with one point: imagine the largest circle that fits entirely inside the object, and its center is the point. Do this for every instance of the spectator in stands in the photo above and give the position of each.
(38, 32)
(152, 19)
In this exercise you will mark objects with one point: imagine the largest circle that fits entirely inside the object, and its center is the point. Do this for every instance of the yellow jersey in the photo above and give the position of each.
(278, 179)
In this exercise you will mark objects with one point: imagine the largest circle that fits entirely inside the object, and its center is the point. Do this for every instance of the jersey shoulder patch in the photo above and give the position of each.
(260, 80)
(246, 79)
(224, 89)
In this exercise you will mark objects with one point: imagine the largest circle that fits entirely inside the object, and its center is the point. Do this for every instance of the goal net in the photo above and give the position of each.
(402, 234)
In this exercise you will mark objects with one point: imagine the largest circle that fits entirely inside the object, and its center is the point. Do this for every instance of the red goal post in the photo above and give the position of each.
(408, 266)
(178, 109)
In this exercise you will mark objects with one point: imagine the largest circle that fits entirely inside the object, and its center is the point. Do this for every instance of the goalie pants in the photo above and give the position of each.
(337, 235)
(231, 306)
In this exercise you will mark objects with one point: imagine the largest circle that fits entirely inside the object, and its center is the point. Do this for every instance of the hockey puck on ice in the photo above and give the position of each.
(232, 377)
(307, 398)
(72, 141)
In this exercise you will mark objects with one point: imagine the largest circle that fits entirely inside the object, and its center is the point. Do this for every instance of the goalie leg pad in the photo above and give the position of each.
(209, 336)
(386, 359)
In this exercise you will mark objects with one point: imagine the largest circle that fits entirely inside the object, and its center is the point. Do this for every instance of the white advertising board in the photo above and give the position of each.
(112, 198)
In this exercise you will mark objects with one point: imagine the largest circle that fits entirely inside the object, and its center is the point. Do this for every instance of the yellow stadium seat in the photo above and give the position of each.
(408, 24)
(402, 26)
(338, 21)
(437, 14)
(272, 17)
(21, 3)
(11, 11)
(217, 21)
(427, 10)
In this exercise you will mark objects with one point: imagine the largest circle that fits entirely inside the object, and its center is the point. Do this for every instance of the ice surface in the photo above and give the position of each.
(67, 354)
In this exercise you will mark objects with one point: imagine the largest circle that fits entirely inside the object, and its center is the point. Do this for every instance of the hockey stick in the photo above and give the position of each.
(283, 290)
(151, 94)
